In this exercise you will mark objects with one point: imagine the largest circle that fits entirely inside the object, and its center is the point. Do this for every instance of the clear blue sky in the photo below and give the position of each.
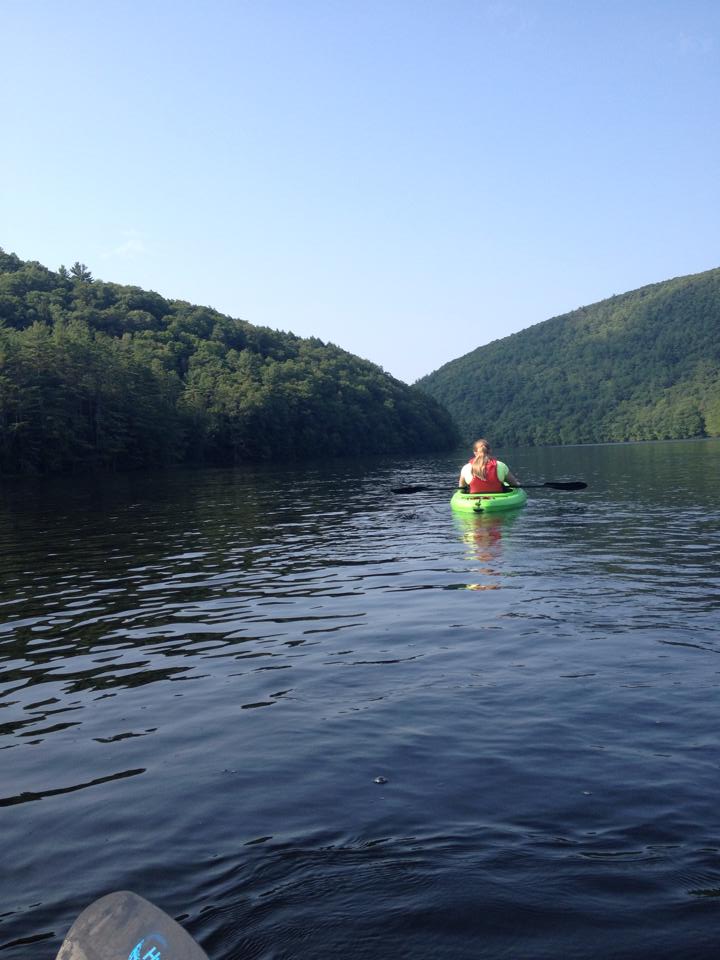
(408, 179)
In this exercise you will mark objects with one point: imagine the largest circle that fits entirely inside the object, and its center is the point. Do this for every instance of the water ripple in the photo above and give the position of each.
(537, 691)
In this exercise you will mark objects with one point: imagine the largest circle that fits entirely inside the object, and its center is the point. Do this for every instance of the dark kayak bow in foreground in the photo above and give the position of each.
(123, 926)
(552, 484)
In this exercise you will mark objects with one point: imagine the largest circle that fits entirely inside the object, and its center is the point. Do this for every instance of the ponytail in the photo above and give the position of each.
(481, 449)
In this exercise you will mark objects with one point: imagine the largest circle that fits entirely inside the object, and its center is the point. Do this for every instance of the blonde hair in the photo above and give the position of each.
(481, 449)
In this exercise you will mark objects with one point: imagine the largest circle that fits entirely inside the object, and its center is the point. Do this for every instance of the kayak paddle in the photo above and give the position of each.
(553, 484)
(123, 926)
(556, 485)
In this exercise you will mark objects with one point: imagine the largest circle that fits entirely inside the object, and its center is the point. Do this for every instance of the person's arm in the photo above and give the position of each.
(504, 475)
(463, 482)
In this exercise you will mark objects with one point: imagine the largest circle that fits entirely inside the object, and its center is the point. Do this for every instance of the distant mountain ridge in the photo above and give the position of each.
(643, 365)
(96, 375)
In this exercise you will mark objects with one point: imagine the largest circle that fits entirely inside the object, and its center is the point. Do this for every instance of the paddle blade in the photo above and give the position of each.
(409, 489)
(569, 485)
(123, 926)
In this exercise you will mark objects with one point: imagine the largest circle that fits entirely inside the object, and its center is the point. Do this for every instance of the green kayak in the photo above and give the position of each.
(488, 502)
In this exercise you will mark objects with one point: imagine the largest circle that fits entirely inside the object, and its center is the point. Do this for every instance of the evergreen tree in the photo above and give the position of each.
(78, 271)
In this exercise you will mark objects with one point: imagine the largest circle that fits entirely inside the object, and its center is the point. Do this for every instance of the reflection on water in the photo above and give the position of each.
(202, 678)
(483, 535)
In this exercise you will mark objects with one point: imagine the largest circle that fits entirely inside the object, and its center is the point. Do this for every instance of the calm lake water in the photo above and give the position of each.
(202, 674)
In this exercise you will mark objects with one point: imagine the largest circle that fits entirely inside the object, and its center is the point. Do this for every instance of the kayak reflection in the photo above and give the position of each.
(482, 535)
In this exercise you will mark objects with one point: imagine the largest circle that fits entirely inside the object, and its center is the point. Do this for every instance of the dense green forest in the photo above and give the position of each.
(95, 375)
(641, 366)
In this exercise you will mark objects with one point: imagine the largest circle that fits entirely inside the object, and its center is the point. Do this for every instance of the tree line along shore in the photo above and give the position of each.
(100, 376)
(644, 365)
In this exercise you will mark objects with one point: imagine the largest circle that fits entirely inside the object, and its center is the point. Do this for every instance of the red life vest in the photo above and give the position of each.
(490, 484)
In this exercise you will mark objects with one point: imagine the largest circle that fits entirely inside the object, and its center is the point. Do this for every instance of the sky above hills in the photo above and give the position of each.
(407, 179)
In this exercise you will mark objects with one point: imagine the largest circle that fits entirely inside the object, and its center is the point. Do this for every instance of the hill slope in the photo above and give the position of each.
(98, 375)
(644, 365)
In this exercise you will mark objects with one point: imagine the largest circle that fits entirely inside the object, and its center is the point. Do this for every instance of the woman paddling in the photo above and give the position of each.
(484, 474)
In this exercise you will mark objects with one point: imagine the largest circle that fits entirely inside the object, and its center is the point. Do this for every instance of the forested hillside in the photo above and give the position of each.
(95, 375)
(641, 366)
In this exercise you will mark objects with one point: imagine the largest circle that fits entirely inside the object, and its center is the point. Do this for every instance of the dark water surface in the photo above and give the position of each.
(201, 674)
